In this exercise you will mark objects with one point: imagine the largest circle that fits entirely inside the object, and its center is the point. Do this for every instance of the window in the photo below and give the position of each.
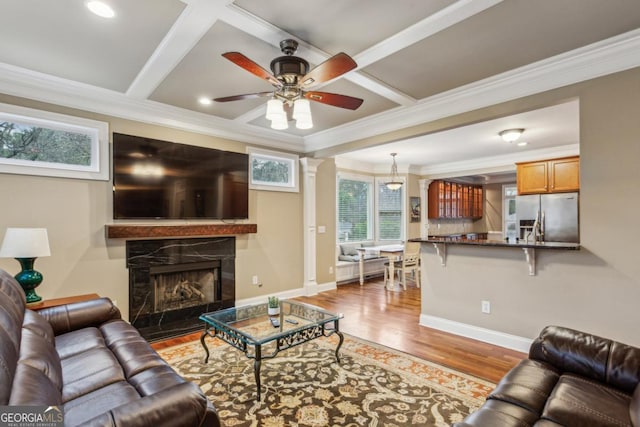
(390, 213)
(357, 202)
(35, 142)
(270, 170)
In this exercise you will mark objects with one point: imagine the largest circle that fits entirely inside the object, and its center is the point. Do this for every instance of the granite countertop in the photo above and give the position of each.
(498, 243)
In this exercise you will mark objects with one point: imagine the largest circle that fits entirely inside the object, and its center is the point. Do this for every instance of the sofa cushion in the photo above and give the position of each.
(77, 342)
(349, 249)
(527, 385)
(104, 399)
(496, 413)
(582, 402)
(89, 371)
(12, 309)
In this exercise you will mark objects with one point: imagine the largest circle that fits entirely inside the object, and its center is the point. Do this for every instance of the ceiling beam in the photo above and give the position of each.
(439, 21)
(193, 23)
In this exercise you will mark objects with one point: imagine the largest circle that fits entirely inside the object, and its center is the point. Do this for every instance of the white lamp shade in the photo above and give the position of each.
(304, 122)
(301, 107)
(25, 243)
(280, 123)
(274, 109)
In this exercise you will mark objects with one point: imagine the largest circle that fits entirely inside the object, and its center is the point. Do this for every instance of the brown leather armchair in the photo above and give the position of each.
(84, 359)
(571, 378)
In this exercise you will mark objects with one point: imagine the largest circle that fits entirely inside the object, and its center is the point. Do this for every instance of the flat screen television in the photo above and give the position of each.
(155, 179)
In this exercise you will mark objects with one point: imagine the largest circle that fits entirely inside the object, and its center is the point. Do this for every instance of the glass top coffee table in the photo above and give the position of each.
(251, 330)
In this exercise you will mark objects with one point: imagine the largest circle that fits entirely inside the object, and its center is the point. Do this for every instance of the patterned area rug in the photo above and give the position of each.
(305, 386)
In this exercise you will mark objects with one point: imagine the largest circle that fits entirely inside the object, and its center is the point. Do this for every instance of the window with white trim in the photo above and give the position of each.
(367, 210)
(37, 142)
(272, 170)
(389, 212)
(355, 207)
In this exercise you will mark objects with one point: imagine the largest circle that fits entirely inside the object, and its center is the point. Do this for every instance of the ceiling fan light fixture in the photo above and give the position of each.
(301, 108)
(511, 135)
(395, 183)
(275, 109)
(280, 123)
(304, 122)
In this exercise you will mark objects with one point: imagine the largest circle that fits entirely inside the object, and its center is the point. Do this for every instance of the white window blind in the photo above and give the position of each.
(355, 204)
(390, 213)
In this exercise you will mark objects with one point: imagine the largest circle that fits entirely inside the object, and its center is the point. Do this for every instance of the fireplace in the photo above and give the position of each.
(173, 281)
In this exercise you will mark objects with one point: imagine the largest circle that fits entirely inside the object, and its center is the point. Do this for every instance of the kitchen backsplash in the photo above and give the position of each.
(439, 227)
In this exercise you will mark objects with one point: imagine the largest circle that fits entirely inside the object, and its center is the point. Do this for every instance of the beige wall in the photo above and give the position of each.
(594, 289)
(413, 190)
(325, 216)
(75, 213)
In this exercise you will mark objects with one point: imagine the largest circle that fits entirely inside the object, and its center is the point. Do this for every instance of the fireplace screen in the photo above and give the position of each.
(184, 288)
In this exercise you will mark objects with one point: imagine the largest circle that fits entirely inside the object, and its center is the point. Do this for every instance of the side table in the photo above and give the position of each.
(61, 301)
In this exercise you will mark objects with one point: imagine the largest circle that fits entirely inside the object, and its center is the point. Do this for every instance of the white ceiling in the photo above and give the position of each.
(417, 61)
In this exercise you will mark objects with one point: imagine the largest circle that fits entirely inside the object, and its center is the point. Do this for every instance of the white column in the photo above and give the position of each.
(424, 207)
(309, 168)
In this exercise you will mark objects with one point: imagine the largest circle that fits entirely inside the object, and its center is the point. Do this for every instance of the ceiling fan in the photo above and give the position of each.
(291, 78)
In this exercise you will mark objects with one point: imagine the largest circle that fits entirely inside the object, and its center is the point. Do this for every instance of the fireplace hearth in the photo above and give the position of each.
(173, 281)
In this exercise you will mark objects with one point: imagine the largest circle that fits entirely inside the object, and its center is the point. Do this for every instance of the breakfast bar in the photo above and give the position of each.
(528, 247)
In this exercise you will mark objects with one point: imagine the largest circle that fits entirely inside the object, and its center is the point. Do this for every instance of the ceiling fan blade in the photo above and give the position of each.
(244, 62)
(334, 99)
(245, 96)
(333, 67)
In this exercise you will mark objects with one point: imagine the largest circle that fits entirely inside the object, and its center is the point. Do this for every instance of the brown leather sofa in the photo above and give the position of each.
(571, 378)
(84, 359)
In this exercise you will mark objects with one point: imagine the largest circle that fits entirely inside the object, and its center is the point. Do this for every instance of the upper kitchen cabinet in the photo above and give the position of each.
(549, 176)
(454, 200)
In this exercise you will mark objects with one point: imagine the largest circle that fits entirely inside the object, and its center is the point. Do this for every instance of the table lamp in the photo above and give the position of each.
(25, 245)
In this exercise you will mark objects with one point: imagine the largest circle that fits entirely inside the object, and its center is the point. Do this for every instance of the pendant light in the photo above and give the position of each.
(395, 183)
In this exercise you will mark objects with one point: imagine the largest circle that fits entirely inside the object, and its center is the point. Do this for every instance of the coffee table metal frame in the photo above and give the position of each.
(249, 329)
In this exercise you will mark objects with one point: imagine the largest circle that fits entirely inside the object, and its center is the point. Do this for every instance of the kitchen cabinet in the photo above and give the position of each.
(454, 200)
(549, 176)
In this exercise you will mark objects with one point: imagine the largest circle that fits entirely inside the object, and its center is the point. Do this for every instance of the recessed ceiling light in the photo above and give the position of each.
(100, 8)
(522, 143)
(205, 101)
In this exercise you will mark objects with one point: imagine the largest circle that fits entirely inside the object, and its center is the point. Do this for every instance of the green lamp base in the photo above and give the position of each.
(29, 279)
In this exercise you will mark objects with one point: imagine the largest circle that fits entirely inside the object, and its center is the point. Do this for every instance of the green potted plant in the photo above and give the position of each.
(273, 307)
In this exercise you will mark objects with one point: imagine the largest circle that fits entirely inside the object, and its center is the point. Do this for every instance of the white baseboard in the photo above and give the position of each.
(330, 286)
(501, 339)
(293, 293)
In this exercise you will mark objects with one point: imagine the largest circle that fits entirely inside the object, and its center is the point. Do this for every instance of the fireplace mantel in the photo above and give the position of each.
(134, 231)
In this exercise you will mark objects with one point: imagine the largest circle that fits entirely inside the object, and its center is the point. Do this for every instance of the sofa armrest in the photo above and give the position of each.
(588, 355)
(77, 315)
(180, 405)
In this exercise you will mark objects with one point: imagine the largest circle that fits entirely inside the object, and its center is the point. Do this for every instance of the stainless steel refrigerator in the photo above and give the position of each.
(554, 215)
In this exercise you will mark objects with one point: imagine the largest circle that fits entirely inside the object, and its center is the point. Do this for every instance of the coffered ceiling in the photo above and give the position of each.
(417, 60)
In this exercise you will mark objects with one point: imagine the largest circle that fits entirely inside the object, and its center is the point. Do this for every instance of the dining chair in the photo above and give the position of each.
(409, 264)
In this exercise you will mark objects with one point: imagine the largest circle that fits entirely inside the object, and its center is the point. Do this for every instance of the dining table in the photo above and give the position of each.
(390, 251)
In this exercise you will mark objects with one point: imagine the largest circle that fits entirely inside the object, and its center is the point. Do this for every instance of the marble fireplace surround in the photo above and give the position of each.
(157, 270)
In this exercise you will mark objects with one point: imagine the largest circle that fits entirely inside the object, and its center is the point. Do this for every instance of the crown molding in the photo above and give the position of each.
(493, 164)
(598, 59)
(30, 84)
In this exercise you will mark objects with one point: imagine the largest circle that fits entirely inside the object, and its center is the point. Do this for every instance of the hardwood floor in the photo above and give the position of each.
(391, 318)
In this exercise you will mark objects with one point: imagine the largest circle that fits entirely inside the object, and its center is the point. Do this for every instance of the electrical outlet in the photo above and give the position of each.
(331, 270)
(486, 307)
(115, 302)
(254, 280)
